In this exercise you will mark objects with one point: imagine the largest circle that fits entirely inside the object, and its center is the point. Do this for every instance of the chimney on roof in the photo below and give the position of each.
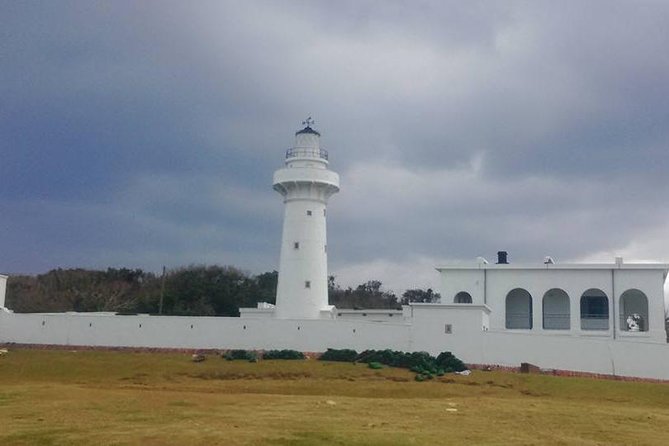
(502, 258)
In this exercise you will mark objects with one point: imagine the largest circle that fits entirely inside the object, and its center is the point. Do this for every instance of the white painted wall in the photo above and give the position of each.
(492, 283)
(199, 332)
(307, 262)
(474, 332)
(625, 357)
(537, 283)
(372, 315)
(256, 313)
(468, 323)
(3, 290)
(471, 281)
(423, 331)
(651, 283)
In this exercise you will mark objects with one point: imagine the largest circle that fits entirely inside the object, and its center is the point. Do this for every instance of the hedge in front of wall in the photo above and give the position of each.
(419, 362)
(283, 354)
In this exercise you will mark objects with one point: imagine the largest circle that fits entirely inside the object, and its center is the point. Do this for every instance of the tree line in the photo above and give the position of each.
(196, 290)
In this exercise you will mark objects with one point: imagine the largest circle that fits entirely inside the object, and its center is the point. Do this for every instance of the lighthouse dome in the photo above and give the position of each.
(307, 131)
(307, 138)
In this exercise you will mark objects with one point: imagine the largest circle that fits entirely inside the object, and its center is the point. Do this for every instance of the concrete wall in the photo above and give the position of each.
(199, 332)
(594, 355)
(642, 281)
(637, 357)
(538, 282)
(471, 281)
(371, 315)
(3, 290)
(458, 328)
(461, 328)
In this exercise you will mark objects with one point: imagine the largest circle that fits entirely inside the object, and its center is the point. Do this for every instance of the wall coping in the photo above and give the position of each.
(452, 306)
(553, 266)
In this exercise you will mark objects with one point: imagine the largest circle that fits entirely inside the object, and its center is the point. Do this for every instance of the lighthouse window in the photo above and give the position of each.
(307, 284)
(296, 245)
(309, 213)
(323, 212)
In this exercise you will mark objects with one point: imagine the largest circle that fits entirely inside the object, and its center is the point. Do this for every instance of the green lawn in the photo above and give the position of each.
(98, 397)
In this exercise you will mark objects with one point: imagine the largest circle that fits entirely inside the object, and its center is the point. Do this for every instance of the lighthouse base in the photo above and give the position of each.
(268, 311)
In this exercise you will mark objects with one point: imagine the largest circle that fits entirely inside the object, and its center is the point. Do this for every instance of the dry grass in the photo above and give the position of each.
(71, 398)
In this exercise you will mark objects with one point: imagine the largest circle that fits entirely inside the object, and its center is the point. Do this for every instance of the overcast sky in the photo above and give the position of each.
(143, 134)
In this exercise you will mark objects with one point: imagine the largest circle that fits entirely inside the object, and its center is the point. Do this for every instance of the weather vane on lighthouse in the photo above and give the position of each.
(308, 122)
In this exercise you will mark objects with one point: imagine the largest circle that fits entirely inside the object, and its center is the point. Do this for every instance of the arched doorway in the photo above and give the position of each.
(556, 313)
(633, 311)
(594, 310)
(463, 297)
(519, 310)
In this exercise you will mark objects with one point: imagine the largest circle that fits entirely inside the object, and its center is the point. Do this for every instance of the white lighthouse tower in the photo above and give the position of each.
(306, 184)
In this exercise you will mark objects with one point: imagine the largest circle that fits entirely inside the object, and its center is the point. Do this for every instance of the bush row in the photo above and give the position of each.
(282, 354)
(250, 355)
(341, 355)
(421, 363)
(246, 355)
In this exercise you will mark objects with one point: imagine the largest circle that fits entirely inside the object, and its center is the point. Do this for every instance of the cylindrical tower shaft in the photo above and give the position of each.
(306, 184)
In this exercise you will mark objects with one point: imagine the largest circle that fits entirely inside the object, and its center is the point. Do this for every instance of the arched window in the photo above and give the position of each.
(633, 311)
(519, 309)
(594, 310)
(463, 297)
(556, 310)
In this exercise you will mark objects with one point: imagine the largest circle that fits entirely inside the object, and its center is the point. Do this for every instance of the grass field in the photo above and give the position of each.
(102, 397)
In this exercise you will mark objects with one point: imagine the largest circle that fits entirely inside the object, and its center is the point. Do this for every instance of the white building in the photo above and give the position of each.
(616, 300)
(597, 318)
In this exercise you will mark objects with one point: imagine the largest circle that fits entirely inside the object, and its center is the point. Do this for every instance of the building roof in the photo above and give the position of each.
(452, 306)
(563, 266)
(369, 311)
(307, 130)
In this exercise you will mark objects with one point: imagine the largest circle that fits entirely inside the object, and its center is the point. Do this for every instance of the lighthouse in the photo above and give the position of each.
(306, 184)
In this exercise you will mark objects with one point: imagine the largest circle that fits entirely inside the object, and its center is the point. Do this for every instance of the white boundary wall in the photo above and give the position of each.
(632, 357)
(423, 330)
(99, 329)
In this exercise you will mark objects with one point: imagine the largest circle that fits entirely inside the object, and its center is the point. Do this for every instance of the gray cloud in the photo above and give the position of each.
(144, 134)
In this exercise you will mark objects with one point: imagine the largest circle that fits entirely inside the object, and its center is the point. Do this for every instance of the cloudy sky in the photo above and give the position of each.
(143, 134)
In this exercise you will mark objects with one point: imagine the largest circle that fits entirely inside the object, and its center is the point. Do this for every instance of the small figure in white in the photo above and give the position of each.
(634, 322)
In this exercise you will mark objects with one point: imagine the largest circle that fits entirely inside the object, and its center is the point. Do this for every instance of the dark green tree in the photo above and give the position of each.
(418, 295)
(367, 295)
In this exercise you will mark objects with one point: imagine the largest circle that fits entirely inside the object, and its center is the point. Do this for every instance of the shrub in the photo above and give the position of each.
(421, 363)
(417, 362)
(283, 354)
(375, 365)
(342, 355)
(247, 355)
(449, 363)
